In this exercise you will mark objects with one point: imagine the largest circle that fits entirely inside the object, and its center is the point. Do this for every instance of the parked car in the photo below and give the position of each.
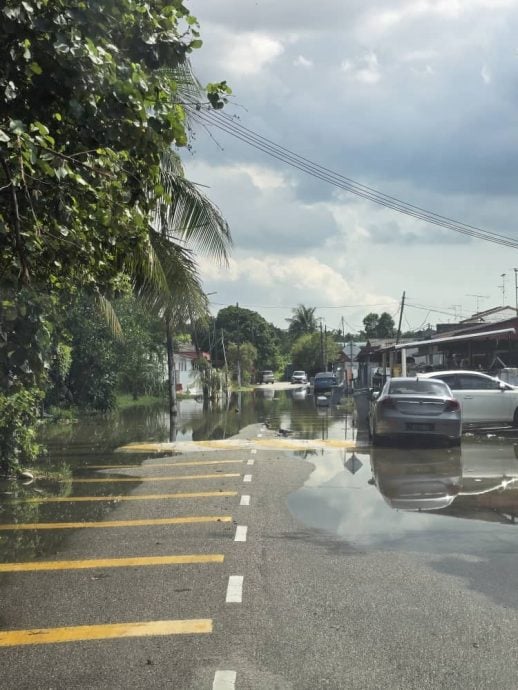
(323, 382)
(483, 399)
(415, 407)
(267, 376)
(299, 377)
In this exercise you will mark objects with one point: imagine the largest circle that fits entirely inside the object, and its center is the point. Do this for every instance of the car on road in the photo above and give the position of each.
(267, 376)
(483, 399)
(299, 377)
(324, 382)
(417, 408)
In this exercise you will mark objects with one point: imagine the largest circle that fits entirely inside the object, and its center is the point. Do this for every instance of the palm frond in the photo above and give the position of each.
(186, 214)
(106, 310)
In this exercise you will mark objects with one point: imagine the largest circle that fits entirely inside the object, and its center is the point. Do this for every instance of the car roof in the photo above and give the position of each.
(449, 372)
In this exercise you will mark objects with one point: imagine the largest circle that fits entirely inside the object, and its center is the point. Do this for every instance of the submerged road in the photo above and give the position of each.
(261, 568)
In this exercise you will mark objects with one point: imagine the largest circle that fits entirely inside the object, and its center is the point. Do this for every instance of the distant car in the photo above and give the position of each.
(415, 407)
(299, 377)
(324, 381)
(267, 376)
(483, 399)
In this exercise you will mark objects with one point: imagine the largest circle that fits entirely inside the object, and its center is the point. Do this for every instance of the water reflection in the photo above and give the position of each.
(435, 500)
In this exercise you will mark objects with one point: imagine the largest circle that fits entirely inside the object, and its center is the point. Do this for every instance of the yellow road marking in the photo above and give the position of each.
(118, 523)
(143, 497)
(163, 464)
(155, 479)
(266, 443)
(112, 563)
(104, 632)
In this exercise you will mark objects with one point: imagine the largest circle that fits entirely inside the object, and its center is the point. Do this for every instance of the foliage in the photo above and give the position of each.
(93, 373)
(18, 444)
(303, 321)
(309, 350)
(247, 355)
(140, 350)
(87, 113)
(379, 326)
(243, 325)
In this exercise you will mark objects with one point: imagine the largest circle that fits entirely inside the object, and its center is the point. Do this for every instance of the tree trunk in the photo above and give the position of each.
(171, 377)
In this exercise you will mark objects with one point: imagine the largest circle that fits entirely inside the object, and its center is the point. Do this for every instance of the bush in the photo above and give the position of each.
(18, 417)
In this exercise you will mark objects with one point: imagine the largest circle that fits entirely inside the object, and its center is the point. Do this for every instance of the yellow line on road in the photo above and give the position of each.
(104, 632)
(112, 563)
(155, 479)
(143, 497)
(266, 443)
(163, 464)
(118, 523)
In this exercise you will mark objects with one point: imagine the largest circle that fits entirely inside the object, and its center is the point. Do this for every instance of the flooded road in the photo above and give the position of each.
(429, 500)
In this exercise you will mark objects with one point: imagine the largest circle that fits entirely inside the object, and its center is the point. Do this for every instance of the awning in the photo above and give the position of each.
(451, 339)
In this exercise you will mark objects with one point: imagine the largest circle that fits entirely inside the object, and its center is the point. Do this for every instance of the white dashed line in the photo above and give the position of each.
(241, 531)
(250, 462)
(235, 589)
(254, 451)
(245, 500)
(247, 478)
(224, 680)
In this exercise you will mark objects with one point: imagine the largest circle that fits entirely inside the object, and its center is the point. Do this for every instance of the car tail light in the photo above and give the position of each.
(387, 402)
(452, 406)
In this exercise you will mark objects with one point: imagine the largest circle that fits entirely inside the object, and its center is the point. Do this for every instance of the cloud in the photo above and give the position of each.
(364, 70)
(301, 61)
(249, 53)
(485, 73)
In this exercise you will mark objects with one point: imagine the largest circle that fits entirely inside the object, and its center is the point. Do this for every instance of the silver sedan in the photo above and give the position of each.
(415, 407)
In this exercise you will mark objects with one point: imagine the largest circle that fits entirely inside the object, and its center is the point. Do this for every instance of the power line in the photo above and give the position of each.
(228, 125)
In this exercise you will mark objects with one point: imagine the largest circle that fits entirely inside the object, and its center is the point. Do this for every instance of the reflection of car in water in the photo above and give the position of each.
(417, 478)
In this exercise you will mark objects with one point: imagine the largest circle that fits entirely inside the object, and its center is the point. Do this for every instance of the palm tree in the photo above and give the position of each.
(184, 221)
(303, 321)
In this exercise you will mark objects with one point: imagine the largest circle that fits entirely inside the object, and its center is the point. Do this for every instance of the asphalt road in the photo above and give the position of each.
(286, 606)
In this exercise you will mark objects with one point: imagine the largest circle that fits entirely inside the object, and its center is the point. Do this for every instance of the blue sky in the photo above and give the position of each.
(415, 98)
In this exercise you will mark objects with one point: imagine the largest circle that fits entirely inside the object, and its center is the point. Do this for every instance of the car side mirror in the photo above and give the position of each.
(375, 395)
(502, 386)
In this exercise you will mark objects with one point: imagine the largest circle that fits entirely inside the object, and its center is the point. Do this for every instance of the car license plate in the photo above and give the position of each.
(419, 427)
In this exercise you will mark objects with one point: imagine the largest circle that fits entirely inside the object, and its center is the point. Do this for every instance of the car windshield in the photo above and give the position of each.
(418, 386)
(299, 373)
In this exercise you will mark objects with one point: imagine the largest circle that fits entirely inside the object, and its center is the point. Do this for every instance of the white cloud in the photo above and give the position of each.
(262, 177)
(486, 75)
(364, 69)
(301, 61)
(250, 52)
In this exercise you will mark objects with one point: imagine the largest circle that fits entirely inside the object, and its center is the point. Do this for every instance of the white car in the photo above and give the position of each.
(484, 399)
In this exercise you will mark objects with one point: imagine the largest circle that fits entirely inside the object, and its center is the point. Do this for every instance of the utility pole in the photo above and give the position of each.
(238, 350)
(225, 360)
(398, 334)
(321, 346)
(502, 287)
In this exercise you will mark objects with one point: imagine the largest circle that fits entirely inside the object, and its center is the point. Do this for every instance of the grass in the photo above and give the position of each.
(125, 400)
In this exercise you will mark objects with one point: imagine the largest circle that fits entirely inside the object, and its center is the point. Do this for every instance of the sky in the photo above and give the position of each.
(415, 98)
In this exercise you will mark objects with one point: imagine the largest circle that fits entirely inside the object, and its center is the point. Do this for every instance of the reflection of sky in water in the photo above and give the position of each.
(346, 504)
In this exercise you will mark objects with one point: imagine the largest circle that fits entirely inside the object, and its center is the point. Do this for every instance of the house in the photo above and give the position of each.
(187, 378)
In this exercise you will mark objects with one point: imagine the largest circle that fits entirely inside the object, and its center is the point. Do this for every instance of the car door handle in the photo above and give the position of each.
(468, 397)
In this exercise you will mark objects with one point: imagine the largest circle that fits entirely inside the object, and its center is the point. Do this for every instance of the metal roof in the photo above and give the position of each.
(453, 338)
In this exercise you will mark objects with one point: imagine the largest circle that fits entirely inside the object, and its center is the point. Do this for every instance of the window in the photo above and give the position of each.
(473, 383)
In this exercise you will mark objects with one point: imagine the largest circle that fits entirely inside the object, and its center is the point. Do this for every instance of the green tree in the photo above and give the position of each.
(308, 350)
(244, 325)
(379, 326)
(91, 99)
(303, 321)
(247, 358)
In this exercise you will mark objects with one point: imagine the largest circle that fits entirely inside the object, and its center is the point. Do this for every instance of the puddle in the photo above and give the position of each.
(429, 500)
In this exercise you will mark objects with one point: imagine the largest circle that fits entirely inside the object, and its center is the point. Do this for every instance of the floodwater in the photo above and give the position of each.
(434, 500)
